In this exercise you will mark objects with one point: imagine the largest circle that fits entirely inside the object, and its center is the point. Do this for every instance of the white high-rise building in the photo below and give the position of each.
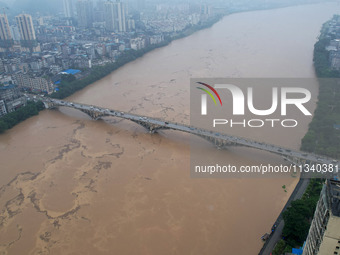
(27, 34)
(110, 16)
(26, 29)
(85, 13)
(5, 32)
(15, 33)
(115, 16)
(6, 38)
(68, 8)
(121, 16)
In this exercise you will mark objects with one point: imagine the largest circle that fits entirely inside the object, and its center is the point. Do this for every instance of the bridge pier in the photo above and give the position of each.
(95, 115)
(49, 105)
(295, 161)
(218, 143)
(46, 105)
(298, 162)
(152, 128)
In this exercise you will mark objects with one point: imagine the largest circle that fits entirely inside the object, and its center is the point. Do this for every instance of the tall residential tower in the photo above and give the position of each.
(68, 8)
(26, 29)
(6, 39)
(85, 13)
(115, 16)
(27, 33)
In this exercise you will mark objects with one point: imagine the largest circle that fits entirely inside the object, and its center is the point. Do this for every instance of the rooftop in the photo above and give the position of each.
(334, 190)
(71, 71)
(11, 86)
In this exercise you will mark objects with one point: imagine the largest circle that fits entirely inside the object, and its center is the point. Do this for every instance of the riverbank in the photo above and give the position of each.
(275, 236)
(13, 118)
(292, 224)
(323, 136)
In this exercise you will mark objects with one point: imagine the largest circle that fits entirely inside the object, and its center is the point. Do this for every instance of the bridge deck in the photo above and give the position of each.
(148, 121)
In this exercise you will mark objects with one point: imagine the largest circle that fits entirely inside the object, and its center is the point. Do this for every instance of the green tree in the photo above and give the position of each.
(298, 215)
(11, 119)
(279, 247)
(3, 126)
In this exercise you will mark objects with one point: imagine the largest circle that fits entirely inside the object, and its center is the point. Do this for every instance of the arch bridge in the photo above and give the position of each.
(220, 140)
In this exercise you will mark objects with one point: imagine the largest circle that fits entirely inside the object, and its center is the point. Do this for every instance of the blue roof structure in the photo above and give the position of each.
(11, 86)
(336, 126)
(297, 251)
(71, 71)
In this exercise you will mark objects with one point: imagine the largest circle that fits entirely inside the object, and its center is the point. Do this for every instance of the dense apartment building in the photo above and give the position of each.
(10, 99)
(8, 93)
(137, 43)
(37, 84)
(324, 234)
(2, 108)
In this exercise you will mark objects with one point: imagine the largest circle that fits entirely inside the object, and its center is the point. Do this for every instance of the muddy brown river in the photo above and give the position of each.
(70, 185)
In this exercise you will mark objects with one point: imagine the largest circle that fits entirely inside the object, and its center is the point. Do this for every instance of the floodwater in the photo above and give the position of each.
(70, 185)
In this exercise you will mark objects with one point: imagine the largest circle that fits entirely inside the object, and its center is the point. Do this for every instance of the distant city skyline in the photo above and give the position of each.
(57, 6)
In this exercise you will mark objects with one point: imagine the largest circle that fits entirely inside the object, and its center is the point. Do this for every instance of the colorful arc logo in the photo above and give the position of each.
(212, 89)
(204, 97)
